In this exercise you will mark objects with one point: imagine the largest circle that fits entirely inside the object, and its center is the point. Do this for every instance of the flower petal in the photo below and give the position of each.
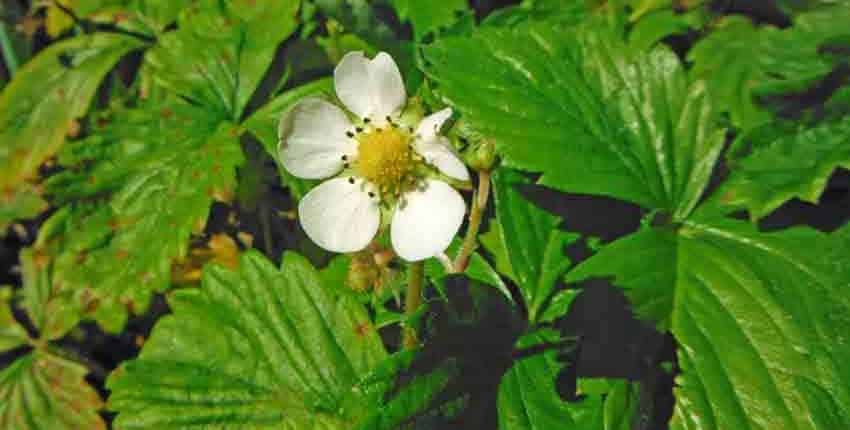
(370, 88)
(388, 90)
(339, 215)
(439, 154)
(430, 126)
(426, 223)
(313, 139)
(353, 84)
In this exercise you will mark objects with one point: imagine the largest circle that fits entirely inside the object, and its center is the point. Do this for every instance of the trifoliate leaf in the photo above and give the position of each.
(221, 50)
(255, 349)
(783, 164)
(576, 107)
(264, 125)
(761, 319)
(41, 391)
(742, 62)
(159, 167)
(537, 244)
(529, 399)
(39, 105)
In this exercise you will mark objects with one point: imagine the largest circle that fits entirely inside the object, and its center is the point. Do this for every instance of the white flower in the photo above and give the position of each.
(378, 164)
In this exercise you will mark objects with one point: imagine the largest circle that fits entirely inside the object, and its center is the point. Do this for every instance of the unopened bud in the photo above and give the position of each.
(481, 155)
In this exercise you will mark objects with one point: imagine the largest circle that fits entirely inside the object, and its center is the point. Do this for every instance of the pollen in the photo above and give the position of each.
(387, 160)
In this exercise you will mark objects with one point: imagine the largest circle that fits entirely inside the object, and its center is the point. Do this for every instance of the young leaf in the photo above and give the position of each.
(761, 319)
(160, 167)
(220, 51)
(278, 350)
(39, 105)
(576, 107)
(529, 399)
(785, 164)
(41, 391)
(536, 251)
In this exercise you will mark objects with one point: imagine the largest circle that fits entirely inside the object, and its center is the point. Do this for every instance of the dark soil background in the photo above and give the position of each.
(612, 343)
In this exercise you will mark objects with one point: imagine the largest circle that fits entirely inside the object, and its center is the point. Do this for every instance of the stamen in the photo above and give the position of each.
(349, 134)
(366, 120)
(359, 129)
(344, 158)
(371, 194)
(351, 180)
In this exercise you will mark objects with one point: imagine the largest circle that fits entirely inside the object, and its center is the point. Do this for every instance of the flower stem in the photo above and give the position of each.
(470, 242)
(412, 301)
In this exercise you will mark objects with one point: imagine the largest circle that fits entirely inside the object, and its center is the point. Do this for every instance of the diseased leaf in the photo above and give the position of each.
(574, 106)
(41, 391)
(12, 334)
(536, 250)
(38, 107)
(783, 164)
(24, 201)
(761, 319)
(279, 350)
(221, 50)
(159, 167)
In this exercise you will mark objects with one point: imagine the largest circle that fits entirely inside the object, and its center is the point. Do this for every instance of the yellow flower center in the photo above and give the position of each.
(387, 160)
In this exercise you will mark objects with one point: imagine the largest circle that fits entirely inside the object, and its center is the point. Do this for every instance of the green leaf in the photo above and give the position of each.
(785, 163)
(565, 12)
(573, 106)
(41, 391)
(413, 398)
(536, 251)
(23, 202)
(428, 16)
(156, 170)
(221, 50)
(657, 25)
(264, 125)
(47, 94)
(528, 398)
(760, 319)
(796, 6)
(278, 351)
(621, 405)
(742, 63)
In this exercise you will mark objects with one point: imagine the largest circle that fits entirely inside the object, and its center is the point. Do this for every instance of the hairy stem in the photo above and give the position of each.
(412, 301)
(265, 226)
(479, 204)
